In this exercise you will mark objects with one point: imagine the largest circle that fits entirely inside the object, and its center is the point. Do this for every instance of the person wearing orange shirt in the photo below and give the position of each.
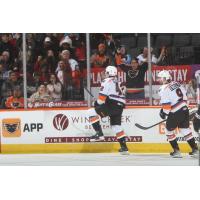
(15, 101)
(100, 59)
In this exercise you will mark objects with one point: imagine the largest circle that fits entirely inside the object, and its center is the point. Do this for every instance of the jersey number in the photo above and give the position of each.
(179, 93)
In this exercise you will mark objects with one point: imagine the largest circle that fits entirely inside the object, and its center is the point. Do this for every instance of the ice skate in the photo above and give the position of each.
(194, 153)
(176, 154)
(97, 138)
(123, 151)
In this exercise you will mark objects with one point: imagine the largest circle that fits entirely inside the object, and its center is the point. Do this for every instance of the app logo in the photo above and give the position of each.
(11, 127)
(60, 122)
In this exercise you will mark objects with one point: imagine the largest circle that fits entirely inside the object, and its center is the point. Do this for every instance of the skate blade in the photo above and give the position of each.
(194, 156)
(99, 140)
(124, 153)
(178, 156)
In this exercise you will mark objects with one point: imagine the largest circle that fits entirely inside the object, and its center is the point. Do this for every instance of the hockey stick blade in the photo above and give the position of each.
(141, 127)
(148, 127)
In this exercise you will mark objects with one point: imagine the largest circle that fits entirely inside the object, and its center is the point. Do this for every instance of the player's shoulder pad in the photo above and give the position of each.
(107, 80)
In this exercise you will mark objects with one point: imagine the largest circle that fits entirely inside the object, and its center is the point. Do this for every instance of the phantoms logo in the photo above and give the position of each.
(60, 122)
(11, 127)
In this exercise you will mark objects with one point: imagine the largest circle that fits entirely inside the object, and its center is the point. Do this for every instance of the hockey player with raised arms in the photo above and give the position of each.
(173, 99)
(110, 102)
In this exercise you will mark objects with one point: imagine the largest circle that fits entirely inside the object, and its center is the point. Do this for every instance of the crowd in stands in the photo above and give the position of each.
(55, 67)
(56, 62)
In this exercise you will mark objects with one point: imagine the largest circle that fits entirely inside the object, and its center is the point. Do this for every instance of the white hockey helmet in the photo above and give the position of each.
(111, 71)
(164, 75)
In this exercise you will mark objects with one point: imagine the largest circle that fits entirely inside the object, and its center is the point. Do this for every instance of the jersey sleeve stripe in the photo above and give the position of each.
(102, 97)
(93, 119)
(167, 107)
(120, 134)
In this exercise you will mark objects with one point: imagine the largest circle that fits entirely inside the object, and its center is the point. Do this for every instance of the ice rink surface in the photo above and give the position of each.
(95, 159)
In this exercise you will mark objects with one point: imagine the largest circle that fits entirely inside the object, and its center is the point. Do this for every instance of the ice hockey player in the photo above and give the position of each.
(196, 120)
(110, 102)
(173, 99)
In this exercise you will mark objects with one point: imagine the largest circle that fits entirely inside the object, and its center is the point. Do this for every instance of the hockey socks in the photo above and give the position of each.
(122, 142)
(97, 128)
(174, 144)
(192, 143)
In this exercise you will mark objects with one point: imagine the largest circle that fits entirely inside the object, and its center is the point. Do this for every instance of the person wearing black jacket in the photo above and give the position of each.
(6, 46)
(135, 74)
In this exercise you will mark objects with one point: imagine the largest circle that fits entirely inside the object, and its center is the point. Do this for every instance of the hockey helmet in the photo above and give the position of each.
(164, 74)
(111, 71)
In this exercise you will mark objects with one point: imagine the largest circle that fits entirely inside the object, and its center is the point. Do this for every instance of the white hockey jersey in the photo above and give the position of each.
(110, 87)
(172, 97)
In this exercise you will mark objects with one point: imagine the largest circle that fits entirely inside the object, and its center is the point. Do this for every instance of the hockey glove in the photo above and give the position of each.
(196, 122)
(162, 114)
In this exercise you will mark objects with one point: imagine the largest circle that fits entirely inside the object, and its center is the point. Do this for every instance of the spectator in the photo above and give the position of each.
(135, 74)
(165, 58)
(7, 94)
(55, 41)
(33, 83)
(44, 74)
(48, 45)
(49, 62)
(191, 89)
(80, 53)
(122, 57)
(65, 78)
(39, 44)
(66, 44)
(143, 57)
(41, 95)
(3, 73)
(5, 60)
(96, 38)
(72, 68)
(38, 63)
(110, 45)
(54, 88)
(30, 51)
(15, 101)
(70, 62)
(100, 59)
(9, 84)
(1, 77)
(6, 46)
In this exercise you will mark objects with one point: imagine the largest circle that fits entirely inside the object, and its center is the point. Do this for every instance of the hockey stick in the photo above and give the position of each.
(89, 92)
(148, 127)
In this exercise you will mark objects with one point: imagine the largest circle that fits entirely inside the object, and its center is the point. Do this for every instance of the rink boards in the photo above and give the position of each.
(68, 131)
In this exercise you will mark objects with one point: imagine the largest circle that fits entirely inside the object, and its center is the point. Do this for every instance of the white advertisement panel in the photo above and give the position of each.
(72, 126)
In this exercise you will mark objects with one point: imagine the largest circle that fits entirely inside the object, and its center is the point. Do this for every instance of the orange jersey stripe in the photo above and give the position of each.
(120, 134)
(94, 119)
(102, 98)
(166, 107)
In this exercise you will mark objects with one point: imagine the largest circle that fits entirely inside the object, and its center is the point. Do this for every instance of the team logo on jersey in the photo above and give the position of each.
(60, 122)
(133, 73)
(11, 127)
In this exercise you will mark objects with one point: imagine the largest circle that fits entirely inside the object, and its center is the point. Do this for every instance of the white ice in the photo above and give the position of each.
(96, 159)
